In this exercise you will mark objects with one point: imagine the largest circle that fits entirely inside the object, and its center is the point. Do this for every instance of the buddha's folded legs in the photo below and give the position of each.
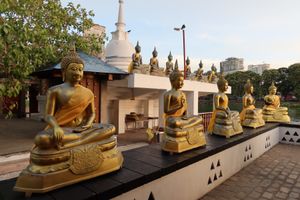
(180, 122)
(44, 139)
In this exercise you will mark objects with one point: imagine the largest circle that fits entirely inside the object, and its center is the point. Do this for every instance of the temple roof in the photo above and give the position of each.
(91, 64)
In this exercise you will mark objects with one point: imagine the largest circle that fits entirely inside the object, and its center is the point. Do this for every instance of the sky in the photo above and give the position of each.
(259, 31)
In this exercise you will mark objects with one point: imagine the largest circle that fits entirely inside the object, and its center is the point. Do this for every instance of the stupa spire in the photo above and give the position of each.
(121, 24)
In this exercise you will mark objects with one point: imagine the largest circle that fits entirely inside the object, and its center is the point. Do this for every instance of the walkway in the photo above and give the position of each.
(275, 175)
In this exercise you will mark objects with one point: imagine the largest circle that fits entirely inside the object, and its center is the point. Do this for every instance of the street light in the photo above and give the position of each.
(183, 42)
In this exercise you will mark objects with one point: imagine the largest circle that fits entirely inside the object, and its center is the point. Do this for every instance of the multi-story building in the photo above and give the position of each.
(231, 65)
(258, 68)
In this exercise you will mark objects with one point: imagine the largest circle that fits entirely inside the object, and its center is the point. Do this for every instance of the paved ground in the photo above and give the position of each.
(275, 175)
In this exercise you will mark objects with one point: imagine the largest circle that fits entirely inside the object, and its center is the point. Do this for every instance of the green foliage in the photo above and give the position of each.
(294, 78)
(238, 79)
(286, 80)
(34, 33)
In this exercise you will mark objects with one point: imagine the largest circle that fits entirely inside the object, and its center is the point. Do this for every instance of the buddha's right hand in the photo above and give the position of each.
(58, 135)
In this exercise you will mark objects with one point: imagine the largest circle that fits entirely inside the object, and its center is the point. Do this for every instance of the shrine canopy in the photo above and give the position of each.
(92, 64)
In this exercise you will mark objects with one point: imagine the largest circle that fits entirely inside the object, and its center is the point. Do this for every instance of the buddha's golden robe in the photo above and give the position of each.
(136, 57)
(273, 102)
(222, 103)
(72, 113)
(243, 113)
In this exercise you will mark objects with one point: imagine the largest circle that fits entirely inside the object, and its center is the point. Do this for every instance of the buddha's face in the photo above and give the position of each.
(138, 49)
(170, 58)
(154, 54)
(74, 73)
(273, 91)
(178, 82)
(224, 87)
(250, 90)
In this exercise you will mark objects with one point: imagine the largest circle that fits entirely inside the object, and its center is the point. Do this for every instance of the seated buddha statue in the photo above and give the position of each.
(71, 146)
(250, 116)
(169, 65)
(136, 65)
(188, 68)
(199, 72)
(181, 133)
(154, 65)
(224, 122)
(213, 74)
(272, 112)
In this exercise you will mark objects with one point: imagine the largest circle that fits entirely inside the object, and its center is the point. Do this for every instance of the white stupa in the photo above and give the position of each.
(119, 50)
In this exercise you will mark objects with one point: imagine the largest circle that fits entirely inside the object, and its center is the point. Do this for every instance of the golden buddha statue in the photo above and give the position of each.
(213, 74)
(71, 148)
(154, 66)
(272, 112)
(169, 65)
(199, 72)
(182, 133)
(250, 116)
(188, 68)
(136, 59)
(223, 121)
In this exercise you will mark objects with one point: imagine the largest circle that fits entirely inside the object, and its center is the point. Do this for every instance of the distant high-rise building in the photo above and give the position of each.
(258, 68)
(231, 65)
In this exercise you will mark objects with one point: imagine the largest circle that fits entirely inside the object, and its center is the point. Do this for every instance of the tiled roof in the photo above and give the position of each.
(92, 64)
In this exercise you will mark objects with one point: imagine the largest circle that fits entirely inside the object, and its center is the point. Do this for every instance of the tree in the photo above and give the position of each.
(284, 85)
(237, 80)
(293, 78)
(35, 33)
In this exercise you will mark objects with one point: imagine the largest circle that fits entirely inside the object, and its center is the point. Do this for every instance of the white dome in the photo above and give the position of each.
(119, 48)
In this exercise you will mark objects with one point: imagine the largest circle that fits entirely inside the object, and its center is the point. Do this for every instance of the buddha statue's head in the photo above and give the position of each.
(272, 89)
(176, 77)
(201, 64)
(213, 68)
(187, 62)
(248, 87)
(170, 57)
(154, 53)
(72, 67)
(137, 47)
(222, 84)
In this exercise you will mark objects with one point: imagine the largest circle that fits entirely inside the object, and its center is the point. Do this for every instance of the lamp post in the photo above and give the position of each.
(183, 44)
